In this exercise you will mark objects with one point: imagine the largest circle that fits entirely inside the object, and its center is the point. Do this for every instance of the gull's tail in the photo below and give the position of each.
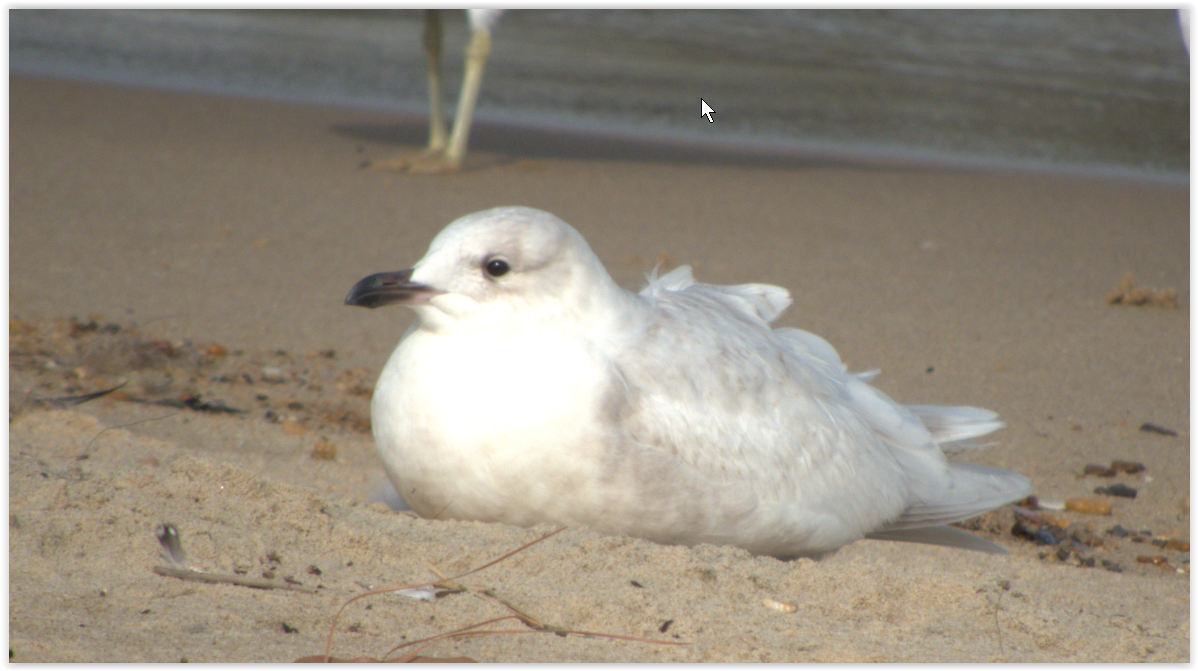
(942, 535)
(971, 490)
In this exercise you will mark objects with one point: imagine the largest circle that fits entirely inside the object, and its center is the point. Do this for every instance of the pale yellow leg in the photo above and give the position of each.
(476, 63)
(443, 156)
(436, 107)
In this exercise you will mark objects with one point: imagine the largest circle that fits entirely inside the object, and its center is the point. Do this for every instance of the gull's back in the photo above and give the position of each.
(802, 456)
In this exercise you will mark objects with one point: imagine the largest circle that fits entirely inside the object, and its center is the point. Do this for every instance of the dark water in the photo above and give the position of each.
(1103, 89)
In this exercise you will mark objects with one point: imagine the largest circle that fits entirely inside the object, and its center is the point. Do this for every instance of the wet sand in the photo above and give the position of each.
(212, 240)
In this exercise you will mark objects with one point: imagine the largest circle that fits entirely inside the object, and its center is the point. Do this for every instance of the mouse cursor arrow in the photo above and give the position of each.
(707, 111)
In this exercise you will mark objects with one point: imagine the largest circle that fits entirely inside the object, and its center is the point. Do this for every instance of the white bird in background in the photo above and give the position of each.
(1183, 23)
(446, 151)
(533, 389)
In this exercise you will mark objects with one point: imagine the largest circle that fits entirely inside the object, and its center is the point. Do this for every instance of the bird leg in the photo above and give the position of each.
(436, 108)
(476, 61)
(440, 157)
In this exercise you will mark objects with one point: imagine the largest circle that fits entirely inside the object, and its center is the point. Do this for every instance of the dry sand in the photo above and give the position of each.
(212, 241)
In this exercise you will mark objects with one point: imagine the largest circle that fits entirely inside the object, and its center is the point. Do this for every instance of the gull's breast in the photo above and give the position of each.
(491, 429)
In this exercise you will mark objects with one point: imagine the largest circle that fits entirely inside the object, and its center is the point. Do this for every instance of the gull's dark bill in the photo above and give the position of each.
(389, 289)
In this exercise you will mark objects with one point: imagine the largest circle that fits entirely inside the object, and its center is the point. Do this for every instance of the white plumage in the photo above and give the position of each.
(533, 389)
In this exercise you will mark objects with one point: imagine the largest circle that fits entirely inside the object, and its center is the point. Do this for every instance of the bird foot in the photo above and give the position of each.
(425, 162)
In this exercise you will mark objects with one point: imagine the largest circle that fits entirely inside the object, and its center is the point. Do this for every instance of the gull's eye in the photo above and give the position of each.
(497, 267)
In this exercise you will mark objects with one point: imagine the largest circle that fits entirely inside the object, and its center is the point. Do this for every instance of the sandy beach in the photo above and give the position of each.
(196, 249)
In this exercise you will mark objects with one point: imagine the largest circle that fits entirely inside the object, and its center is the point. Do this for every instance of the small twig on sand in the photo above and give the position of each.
(203, 576)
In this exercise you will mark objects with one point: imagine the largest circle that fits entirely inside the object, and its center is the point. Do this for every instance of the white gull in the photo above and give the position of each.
(533, 389)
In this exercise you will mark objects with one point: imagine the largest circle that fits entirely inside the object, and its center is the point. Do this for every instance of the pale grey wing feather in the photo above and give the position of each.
(971, 490)
(710, 382)
(760, 301)
(939, 535)
(776, 413)
(954, 427)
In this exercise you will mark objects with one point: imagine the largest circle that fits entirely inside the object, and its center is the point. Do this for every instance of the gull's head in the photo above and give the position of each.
(504, 260)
